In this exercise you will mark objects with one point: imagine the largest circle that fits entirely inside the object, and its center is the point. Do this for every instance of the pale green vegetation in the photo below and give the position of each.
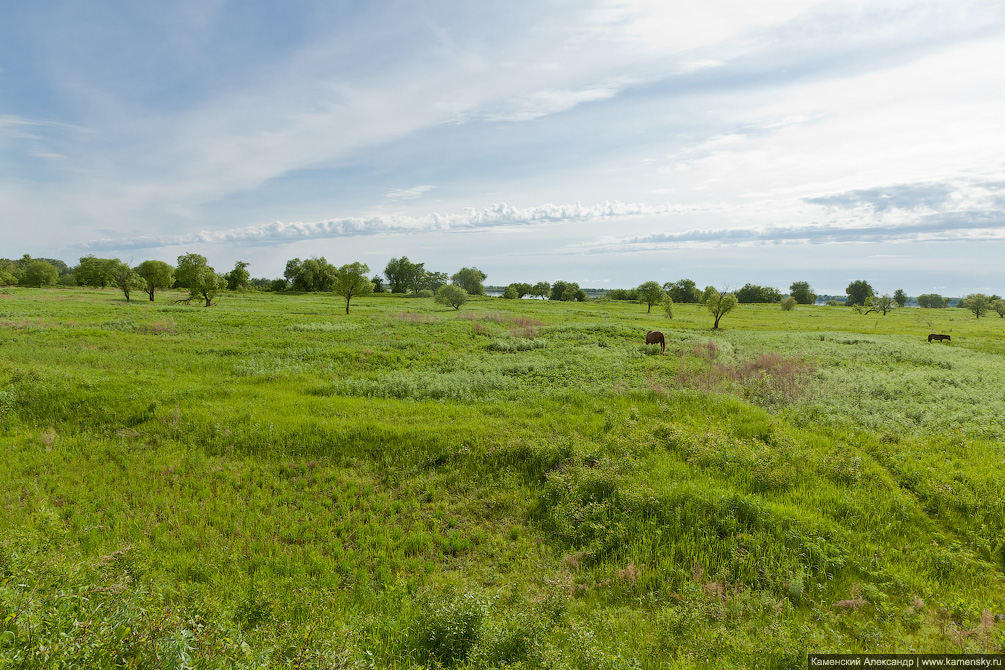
(273, 483)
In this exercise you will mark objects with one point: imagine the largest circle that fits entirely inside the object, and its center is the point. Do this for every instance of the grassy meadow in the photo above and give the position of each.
(273, 483)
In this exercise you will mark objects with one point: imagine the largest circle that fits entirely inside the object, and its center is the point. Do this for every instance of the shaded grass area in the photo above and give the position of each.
(519, 484)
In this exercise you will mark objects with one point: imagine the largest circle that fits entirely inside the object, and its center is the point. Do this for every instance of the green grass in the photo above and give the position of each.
(271, 483)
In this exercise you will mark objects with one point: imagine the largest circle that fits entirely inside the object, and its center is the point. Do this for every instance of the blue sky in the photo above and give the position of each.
(607, 142)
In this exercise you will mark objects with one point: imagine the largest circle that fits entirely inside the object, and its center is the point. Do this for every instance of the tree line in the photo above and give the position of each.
(405, 277)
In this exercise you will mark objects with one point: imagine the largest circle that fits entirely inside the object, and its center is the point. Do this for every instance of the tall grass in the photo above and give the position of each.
(272, 483)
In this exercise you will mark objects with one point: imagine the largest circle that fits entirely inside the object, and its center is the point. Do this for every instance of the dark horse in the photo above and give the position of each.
(940, 338)
(656, 337)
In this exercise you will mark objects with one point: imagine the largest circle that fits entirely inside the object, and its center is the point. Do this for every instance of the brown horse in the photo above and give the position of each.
(940, 338)
(656, 337)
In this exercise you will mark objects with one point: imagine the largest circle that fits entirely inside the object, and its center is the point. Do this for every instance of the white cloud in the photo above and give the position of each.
(408, 193)
(495, 216)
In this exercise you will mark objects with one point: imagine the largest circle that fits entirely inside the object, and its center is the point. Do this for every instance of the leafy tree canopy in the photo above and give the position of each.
(238, 278)
(451, 295)
(351, 281)
(189, 266)
(683, 290)
(39, 274)
(651, 293)
(719, 304)
(470, 279)
(858, 291)
(801, 291)
(751, 293)
(155, 275)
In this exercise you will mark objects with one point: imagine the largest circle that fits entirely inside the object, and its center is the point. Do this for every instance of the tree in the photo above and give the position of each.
(205, 283)
(789, 303)
(521, 289)
(292, 270)
(351, 281)
(470, 279)
(9, 272)
(883, 303)
(668, 305)
(237, 279)
(932, 301)
(451, 295)
(313, 275)
(978, 303)
(709, 290)
(125, 278)
(999, 307)
(900, 297)
(751, 293)
(378, 283)
(651, 293)
(567, 291)
(510, 293)
(801, 291)
(432, 281)
(401, 274)
(858, 291)
(189, 265)
(719, 304)
(683, 290)
(39, 273)
(96, 272)
(155, 275)
(541, 289)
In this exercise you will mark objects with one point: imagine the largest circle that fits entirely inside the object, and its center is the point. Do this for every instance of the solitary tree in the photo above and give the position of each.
(719, 304)
(205, 283)
(900, 297)
(999, 307)
(237, 279)
(882, 304)
(155, 275)
(651, 293)
(351, 281)
(978, 303)
(858, 291)
(125, 278)
(470, 279)
(451, 295)
(189, 265)
(789, 303)
(801, 291)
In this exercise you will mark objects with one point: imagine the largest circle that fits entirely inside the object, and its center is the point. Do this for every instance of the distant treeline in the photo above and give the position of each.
(402, 276)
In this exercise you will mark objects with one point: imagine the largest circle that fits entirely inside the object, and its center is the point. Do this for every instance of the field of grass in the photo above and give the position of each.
(272, 483)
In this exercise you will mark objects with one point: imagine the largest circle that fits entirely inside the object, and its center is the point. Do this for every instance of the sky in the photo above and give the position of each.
(605, 142)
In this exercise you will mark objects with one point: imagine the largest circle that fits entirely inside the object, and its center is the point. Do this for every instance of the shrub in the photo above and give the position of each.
(789, 304)
(447, 628)
(452, 296)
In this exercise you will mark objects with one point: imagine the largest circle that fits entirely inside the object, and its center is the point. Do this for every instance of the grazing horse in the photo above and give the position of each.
(656, 337)
(940, 338)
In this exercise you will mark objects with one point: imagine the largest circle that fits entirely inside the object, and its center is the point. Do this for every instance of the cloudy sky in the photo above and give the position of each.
(607, 142)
